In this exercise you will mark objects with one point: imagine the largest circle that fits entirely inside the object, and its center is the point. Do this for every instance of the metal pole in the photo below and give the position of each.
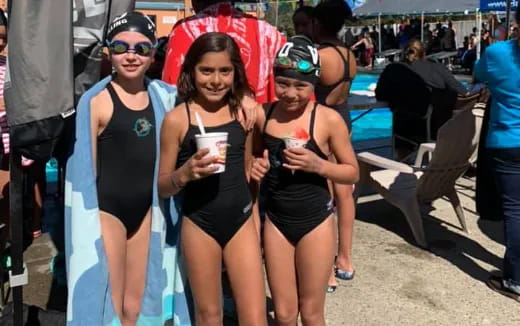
(16, 189)
(508, 17)
(379, 34)
(479, 31)
(422, 27)
(276, 21)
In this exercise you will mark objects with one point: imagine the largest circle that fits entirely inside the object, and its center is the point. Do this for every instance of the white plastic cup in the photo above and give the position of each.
(217, 144)
(291, 142)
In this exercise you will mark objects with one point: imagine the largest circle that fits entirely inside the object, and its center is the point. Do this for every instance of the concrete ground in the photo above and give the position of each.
(396, 282)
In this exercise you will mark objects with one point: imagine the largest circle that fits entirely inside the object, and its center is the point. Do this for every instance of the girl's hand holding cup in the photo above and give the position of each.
(300, 158)
(200, 166)
(297, 157)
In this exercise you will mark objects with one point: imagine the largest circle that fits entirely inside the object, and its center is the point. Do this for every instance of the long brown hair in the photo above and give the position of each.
(413, 51)
(214, 42)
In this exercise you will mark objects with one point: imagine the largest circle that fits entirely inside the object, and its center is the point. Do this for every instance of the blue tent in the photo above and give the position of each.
(495, 5)
(392, 7)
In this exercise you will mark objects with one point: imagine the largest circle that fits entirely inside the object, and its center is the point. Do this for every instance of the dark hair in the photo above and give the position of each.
(517, 15)
(306, 10)
(414, 51)
(3, 18)
(331, 14)
(214, 42)
(160, 52)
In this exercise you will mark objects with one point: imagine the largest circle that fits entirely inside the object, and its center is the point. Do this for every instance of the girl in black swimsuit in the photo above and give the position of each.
(123, 146)
(217, 224)
(299, 232)
(332, 90)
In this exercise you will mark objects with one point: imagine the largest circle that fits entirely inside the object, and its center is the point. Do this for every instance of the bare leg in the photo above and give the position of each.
(114, 240)
(313, 267)
(346, 213)
(281, 274)
(203, 257)
(135, 279)
(242, 257)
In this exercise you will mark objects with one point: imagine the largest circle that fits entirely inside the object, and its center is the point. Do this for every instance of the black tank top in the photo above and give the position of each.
(301, 195)
(126, 154)
(231, 185)
(323, 91)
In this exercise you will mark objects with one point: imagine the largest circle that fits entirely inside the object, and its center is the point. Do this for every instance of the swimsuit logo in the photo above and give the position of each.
(248, 207)
(275, 157)
(142, 127)
(330, 205)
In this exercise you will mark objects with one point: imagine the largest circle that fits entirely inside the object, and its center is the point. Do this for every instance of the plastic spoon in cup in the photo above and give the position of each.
(199, 124)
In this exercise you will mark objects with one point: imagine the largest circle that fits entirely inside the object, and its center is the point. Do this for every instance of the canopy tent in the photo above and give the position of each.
(395, 7)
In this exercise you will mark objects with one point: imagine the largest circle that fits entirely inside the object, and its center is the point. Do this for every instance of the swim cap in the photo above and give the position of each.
(132, 22)
(298, 59)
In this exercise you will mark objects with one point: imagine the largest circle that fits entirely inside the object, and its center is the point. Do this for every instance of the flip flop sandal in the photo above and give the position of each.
(496, 284)
(344, 275)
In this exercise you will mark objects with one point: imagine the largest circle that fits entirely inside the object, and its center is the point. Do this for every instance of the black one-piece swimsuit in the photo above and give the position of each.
(296, 203)
(126, 162)
(221, 203)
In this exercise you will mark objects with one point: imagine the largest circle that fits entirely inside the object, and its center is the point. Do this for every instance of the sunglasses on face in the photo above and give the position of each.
(142, 48)
(302, 66)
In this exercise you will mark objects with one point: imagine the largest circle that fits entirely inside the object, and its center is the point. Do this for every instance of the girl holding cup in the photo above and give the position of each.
(217, 205)
(299, 232)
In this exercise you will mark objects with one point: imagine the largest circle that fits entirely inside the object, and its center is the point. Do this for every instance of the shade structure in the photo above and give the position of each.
(497, 5)
(395, 7)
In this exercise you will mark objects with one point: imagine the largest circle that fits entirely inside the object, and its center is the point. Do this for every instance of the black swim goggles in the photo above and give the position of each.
(143, 49)
(302, 66)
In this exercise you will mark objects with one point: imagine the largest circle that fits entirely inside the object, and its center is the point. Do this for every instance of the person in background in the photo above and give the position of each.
(369, 46)
(156, 68)
(497, 31)
(408, 88)
(374, 35)
(338, 68)
(258, 42)
(348, 38)
(503, 151)
(448, 40)
(389, 39)
(403, 36)
(302, 20)
(469, 52)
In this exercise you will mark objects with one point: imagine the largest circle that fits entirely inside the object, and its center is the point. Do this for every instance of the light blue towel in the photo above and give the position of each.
(89, 300)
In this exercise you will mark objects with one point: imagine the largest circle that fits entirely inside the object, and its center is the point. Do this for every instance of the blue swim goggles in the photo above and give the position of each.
(302, 66)
(143, 49)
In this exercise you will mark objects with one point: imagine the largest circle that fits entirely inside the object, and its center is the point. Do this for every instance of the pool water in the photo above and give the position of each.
(363, 81)
(51, 170)
(374, 125)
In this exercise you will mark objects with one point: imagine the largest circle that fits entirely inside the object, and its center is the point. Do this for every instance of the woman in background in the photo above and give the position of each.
(338, 68)
(503, 151)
